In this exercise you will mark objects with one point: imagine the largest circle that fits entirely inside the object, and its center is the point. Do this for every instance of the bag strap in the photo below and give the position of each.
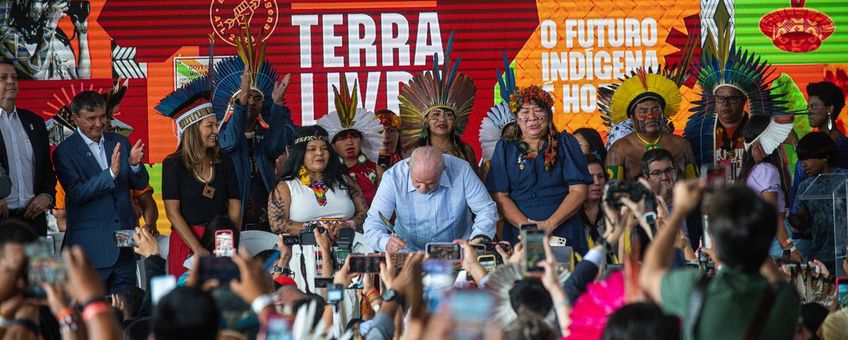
(763, 310)
(696, 305)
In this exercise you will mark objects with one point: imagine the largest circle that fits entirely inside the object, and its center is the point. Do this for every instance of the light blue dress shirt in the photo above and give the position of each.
(441, 215)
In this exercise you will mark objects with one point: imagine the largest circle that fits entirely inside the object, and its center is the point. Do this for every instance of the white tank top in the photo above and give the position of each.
(305, 208)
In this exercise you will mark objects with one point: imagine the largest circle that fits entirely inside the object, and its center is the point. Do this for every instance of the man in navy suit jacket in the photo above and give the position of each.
(97, 170)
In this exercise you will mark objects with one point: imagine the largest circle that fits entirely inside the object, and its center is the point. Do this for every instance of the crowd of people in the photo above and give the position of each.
(390, 227)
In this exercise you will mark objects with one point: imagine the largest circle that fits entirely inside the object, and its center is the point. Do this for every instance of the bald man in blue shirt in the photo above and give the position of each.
(433, 195)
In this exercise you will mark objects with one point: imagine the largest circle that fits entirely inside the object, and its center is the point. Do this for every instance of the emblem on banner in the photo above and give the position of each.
(229, 16)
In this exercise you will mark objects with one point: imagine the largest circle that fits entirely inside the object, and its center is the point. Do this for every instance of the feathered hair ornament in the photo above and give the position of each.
(389, 119)
(536, 95)
(443, 87)
(526, 95)
(499, 116)
(350, 117)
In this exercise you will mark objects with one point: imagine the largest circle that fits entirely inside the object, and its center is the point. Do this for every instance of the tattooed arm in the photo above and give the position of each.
(359, 203)
(279, 205)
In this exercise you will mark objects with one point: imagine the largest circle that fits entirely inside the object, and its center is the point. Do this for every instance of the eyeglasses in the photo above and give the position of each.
(728, 99)
(659, 173)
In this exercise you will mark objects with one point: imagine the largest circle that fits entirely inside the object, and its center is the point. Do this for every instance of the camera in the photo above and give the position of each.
(307, 234)
(633, 190)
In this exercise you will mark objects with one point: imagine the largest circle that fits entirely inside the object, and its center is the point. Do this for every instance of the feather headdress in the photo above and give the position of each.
(443, 87)
(724, 64)
(350, 117)
(187, 105)
(251, 52)
(499, 116)
(500, 283)
(618, 103)
(228, 85)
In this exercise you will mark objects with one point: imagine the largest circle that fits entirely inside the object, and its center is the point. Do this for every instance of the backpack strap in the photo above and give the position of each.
(755, 328)
(696, 305)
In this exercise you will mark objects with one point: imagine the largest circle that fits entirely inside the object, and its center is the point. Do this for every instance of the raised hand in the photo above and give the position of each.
(116, 160)
(280, 90)
(687, 195)
(137, 153)
(244, 89)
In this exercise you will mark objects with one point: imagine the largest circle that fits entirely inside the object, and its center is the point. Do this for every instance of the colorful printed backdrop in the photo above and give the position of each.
(569, 46)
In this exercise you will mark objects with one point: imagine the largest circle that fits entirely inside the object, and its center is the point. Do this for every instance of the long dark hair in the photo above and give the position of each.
(334, 176)
(754, 127)
(596, 143)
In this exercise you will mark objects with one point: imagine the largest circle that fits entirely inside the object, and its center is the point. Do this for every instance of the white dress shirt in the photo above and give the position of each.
(21, 160)
(98, 150)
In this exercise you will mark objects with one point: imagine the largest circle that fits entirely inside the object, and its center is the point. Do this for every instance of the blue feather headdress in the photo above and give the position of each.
(228, 84)
(187, 105)
(724, 64)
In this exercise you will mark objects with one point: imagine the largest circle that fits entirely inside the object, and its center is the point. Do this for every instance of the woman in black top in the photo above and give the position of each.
(197, 185)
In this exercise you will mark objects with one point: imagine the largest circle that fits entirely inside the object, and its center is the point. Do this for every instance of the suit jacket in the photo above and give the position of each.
(96, 204)
(5, 183)
(45, 180)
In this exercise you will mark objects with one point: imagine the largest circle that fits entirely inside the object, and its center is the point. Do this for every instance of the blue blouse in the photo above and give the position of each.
(536, 192)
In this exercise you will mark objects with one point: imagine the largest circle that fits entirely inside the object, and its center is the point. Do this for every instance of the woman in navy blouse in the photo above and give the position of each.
(540, 176)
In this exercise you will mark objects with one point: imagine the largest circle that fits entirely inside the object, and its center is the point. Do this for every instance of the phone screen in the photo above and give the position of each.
(842, 291)
(528, 226)
(534, 249)
(563, 256)
(488, 262)
(471, 309)
(364, 263)
(224, 243)
(341, 256)
(334, 293)
(124, 238)
(444, 251)
(323, 282)
(43, 267)
(161, 286)
(221, 268)
(715, 176)
(438, 280)
(277, 327)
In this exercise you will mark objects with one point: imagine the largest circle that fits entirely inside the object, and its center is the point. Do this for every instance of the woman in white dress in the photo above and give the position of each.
(314, 186)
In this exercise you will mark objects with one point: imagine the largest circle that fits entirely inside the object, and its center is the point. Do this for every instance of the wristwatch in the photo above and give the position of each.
(486, 239)
(393, 295)
(281, 270)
